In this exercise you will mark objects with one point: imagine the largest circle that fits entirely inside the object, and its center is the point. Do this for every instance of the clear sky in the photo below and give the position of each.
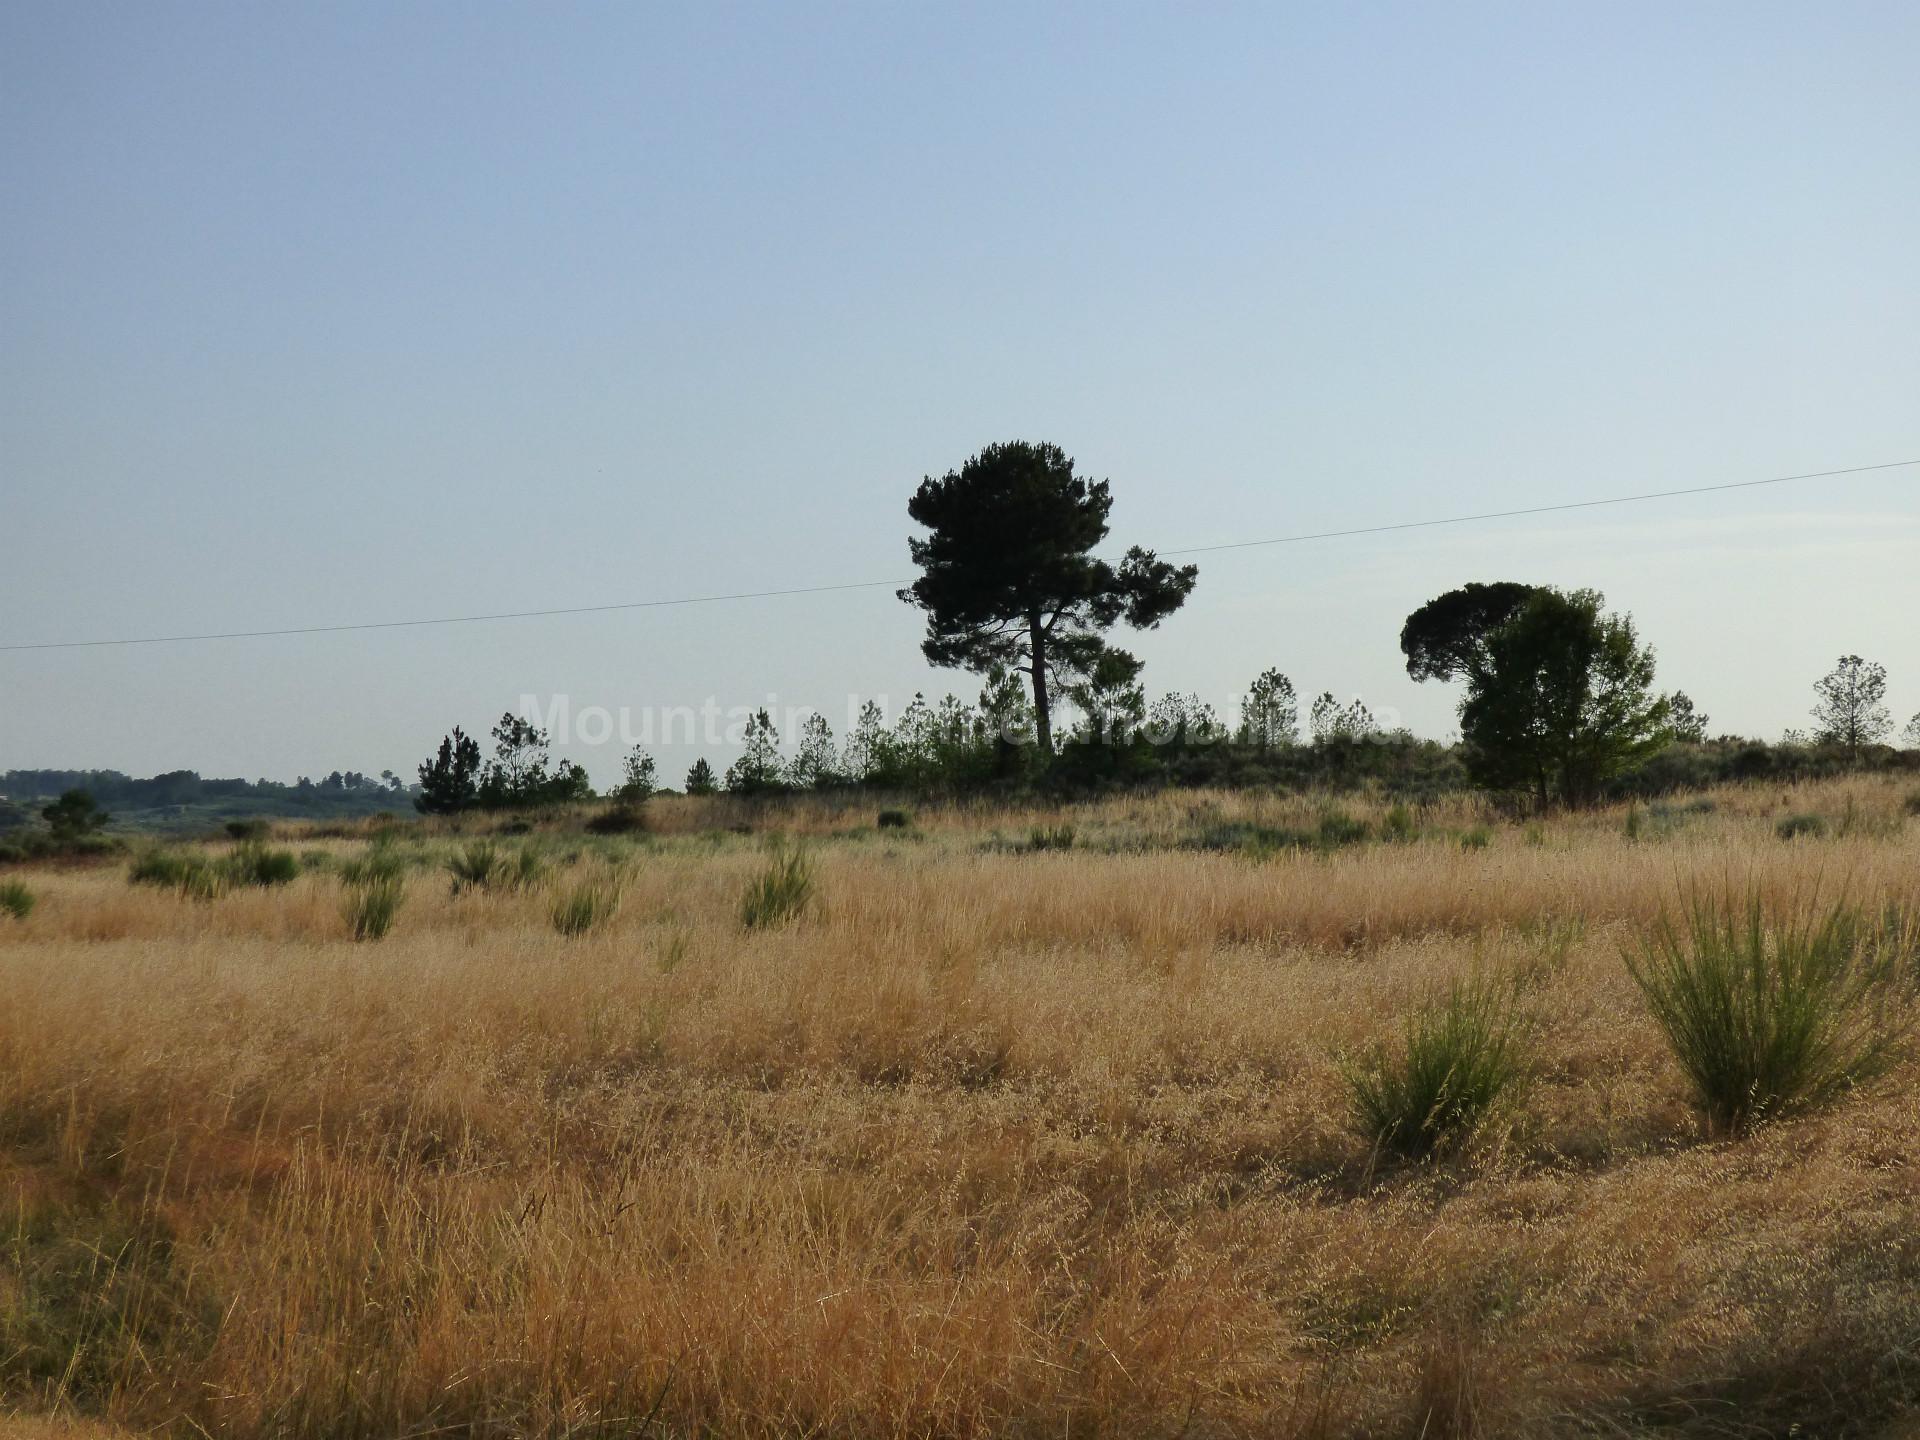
(358, 312)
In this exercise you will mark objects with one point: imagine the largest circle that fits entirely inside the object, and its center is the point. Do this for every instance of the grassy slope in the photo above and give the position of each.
(988, 1144)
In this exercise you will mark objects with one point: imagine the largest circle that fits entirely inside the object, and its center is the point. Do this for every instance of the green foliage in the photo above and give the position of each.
(1447, 636)
(758, 771)
(16, 899)
(206, 877)
(450, 781)
(1337, 830)
(74, 817)
(381, 860)
(1477, 837)
(253, 863)
(1399, 826)
(637, 778)
(893, 820)
(781, 892)
(371, 904)
(1458, 1057)
(1270, 713)
(1794, 827)
(1851, 711)
(1768, 1013)
(255, 829)
(585, 906)
(1008, 575)
(478, 866)
(1050, 837)
(1561, 700)
(700, 779)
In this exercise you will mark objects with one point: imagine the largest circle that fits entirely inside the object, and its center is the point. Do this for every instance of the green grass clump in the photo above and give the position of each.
(254, 864)
(372, 903)
(16, 899)
(195, 877)
(585, 906)
(1796, 826)
(781, 892)
(479, 866)
(1768, 1013)
(1458, 1057)
(1398, 825)
(1337, 830)
(1478, 838)
(382, 860)
(1049, 837)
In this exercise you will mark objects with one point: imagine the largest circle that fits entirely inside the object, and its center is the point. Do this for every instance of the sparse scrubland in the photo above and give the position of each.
(1132, 1118)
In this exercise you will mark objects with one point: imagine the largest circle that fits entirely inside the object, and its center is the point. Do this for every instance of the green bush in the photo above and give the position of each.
(1478, 838)
(477, 867)
(585, 906)
(894, 820)
(254, 864)
(197, 877)
(1795, 826)
(381, 860)
(1399, 825)
(1050, 837)
(781, 892)
(1338, 830)
(248, 829)
(372, 903)
(1457, 1058)
(1767, 1014)
(163, 869)
(16, 899)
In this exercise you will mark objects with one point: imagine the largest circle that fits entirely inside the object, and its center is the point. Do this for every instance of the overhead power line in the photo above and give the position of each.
(893, 584)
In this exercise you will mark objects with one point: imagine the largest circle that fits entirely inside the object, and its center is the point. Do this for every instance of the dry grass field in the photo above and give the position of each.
(990, 1140)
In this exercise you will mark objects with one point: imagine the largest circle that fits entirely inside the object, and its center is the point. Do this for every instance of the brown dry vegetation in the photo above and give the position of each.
(988, 1143)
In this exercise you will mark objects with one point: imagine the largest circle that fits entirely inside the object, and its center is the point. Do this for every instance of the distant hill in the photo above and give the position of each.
(181, 800)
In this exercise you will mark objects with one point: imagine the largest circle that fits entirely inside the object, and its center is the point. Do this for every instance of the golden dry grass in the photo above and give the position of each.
(987, 1144)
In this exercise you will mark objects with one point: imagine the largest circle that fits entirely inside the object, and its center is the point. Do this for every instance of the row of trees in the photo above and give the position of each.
(1558, 701)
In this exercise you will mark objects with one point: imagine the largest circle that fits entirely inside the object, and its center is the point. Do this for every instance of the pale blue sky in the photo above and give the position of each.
(377, 311)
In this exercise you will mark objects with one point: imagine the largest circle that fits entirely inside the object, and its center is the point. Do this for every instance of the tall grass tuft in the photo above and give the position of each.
(1768, 1013)
(1050, 837)
(253, 863)
(585, 906)
(781, 892)
(16, 900)
(371, 905)
(477, 867)
(1458, 1057)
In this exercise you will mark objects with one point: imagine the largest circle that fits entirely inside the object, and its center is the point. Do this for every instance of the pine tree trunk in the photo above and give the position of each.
(1042, 718)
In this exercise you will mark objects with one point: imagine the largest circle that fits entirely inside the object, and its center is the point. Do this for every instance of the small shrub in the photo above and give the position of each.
(894, 820)
(1796, 826)
(622, 819)
(248, 829)
(477, 867)
(1399, 826)
(1338, 830)
(781, 892)
(1478, 838)
(585, 906)
(381, 861)
(16, 899)
(254, 864)
(194, 876)
(1635, 824)
(372, 903)
(1457, 1058)
(1050, 837)
(1766, 1015)
(163, 869)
